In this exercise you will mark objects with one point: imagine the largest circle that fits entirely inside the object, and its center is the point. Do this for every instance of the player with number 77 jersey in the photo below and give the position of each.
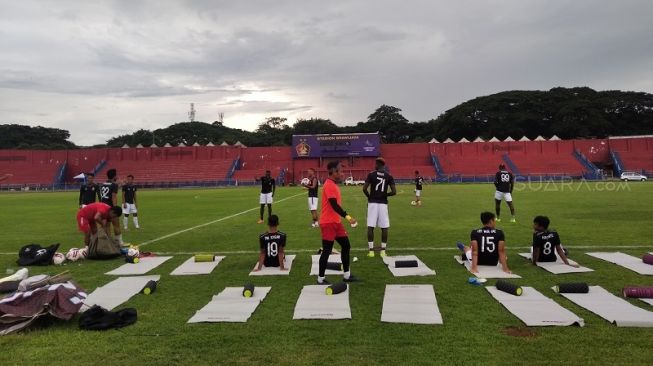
(273, 245)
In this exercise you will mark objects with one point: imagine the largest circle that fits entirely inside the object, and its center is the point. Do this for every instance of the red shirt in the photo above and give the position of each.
(89, 211)
(328, 215)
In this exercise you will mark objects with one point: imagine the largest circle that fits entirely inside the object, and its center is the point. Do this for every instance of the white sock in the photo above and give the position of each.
(320, 279)
(383, 245)
(136, 221)
(370, 244)
(126, 221)
(346, 275)
(119, 238)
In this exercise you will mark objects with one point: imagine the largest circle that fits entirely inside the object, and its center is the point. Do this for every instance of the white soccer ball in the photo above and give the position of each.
(75, 254)
(133, 252)
(58, 258)
(305, 181)
(413, 203)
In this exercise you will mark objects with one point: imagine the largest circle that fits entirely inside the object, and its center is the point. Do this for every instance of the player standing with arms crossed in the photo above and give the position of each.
(89, 191)
(331, 225)
(129, 202)
(268, 187)
(377, 204)
(312, 185)
(504, 181)
(109, 196)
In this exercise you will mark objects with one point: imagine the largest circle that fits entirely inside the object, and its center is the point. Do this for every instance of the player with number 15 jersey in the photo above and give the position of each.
(488, 246)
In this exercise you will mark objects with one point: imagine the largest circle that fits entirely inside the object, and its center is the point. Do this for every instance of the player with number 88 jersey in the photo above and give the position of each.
(272, 244)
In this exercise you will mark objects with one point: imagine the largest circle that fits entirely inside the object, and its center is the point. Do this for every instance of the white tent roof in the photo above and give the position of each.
(125, 146)
(434, 141)
(196, 144)
(210, 144)
(167, 145)
(153, 145)
(539, 138)
(509, 139)
(554, 138)
(448, 141)
(224, 143)
(80, 176)
(524, 139)
(494, 139)
(139, 146)
(238, 143)
(181, 145)
(463, 140)
(478, 139)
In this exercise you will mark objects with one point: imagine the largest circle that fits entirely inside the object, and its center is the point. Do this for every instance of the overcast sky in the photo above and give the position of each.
(103, 68)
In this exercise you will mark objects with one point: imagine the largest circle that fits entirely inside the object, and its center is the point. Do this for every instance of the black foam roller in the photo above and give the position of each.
(248, 290)
(573, 288)
(149, 288)
(334, 266)
(336, 288)
(405, 264)
(508, 287)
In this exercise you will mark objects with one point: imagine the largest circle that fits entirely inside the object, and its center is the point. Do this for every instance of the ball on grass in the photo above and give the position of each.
(58, 258)
(413, 203)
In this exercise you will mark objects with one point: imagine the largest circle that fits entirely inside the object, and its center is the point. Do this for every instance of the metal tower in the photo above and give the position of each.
(191, 114)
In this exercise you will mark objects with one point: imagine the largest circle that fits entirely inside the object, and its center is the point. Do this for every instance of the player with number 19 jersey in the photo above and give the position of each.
(270, 244)
(487, 239)
(547, 242)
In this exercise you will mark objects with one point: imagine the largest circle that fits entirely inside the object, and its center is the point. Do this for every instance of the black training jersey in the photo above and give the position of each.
(267, 184)
(488, 240)
(418, 183)
(271, 243)
(107, 189)
(503, 181)
(130, 193)
(379, 182)
(88, 194)
(547, 241)
(312, 192)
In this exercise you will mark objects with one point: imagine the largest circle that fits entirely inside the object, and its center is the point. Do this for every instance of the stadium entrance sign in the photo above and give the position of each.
(336, 145)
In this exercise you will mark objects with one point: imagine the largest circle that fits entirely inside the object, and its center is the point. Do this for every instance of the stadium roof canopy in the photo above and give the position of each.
(210, 143)
(554, 138)
(463, 140)
(509, 139)
(494, 139)
(238, 143)
(539, 138)
(479, 139)
(181, 144)
(196, 144)
(139, 146)
(224, 143)
(448, 141)
(434, 141)
(167, 145)
(153, 145)
(125, 146)
(524, 139)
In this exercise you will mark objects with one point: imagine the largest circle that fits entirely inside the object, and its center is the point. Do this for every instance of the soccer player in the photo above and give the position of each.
(93, 214)
(273, 246)
(504, 181)
(546, 243)
(129, 202)
(418, 188)
(312, 185)
(109, 196)
(488, 245)
(331, 224)
(378, 182)
(268, 187)
(89, 191)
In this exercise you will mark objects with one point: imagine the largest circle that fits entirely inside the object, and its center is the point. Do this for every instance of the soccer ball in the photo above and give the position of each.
(133, 251)
(413, 203)
(58, 258)
(75, 254)
(305, 181)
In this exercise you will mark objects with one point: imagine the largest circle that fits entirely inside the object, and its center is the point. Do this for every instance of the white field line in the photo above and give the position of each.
(422, 249)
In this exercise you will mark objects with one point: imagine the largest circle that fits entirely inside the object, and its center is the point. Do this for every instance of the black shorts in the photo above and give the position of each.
(271, 261)
(487, 261)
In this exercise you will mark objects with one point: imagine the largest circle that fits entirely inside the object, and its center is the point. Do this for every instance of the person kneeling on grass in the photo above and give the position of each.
(93, 214)
(546, 243)
(273, 245)
(488, 245)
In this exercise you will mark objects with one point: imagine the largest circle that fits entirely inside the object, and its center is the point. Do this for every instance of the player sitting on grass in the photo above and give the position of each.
(488, 245)
(93, 214)
(546, 243)
(273, 245)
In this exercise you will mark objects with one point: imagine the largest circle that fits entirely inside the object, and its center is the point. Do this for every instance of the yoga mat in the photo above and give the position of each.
(314, 303)
(145, 265)
(535, 309)
(117, 292)
(624, 260)
(612, 308)
(648, 301)
(558, 267)
(315, 265)
(414, 304)
(275, 271)
(190, 267)
(486, 271)
(230, 306)
(420, 270)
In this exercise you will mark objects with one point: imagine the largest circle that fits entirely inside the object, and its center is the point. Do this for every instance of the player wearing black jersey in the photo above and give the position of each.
(108, 195)
(272, 244)
(418, 188)
(504, 182)
(129, 202)
(89, 191)
(378, 182)
(268, 187)
(312, 187)
(487, 247)
(546, 243)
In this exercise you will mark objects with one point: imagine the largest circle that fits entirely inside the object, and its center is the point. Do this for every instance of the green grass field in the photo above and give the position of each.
(588, 216)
